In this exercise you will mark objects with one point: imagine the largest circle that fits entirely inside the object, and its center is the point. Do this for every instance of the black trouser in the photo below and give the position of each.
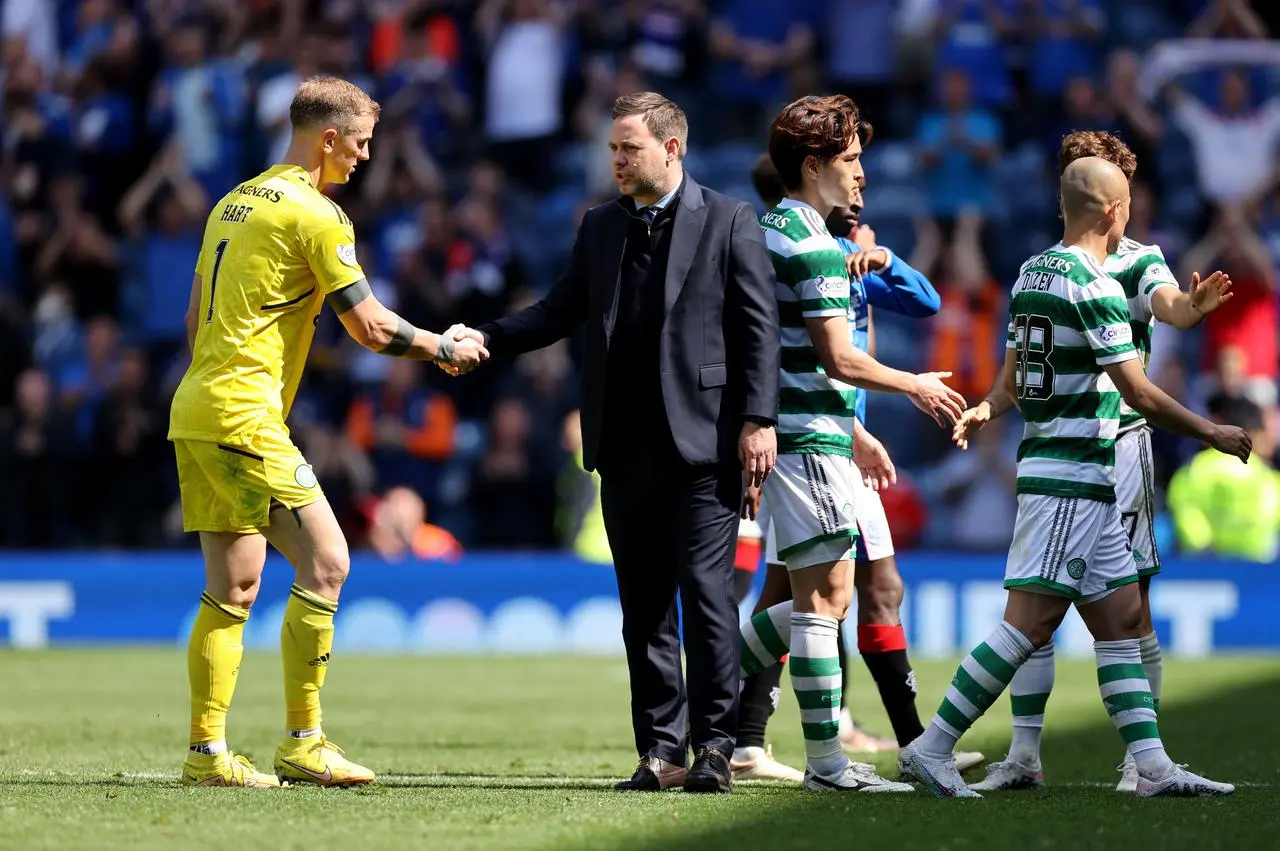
(674, 527)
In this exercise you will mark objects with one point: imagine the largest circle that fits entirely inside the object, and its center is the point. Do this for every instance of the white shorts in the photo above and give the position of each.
(811, 508)
(1069, 546)
(874, 539)
(1135, 497)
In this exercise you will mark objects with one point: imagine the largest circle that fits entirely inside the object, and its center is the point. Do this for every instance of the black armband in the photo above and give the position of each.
(401, 340)
(349, 296)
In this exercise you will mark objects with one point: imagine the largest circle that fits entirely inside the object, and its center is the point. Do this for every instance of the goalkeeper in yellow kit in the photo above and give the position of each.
(275, 250)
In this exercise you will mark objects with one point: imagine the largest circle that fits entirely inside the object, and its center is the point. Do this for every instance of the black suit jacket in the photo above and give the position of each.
(720, 340)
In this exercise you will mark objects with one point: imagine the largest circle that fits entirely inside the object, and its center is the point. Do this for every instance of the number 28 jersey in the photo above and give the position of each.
(1068, 320)
(273, 248)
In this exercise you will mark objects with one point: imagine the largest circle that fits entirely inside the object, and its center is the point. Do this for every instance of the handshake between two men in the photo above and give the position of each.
(462, 349)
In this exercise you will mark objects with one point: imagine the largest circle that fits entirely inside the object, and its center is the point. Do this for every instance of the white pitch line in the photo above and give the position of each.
(530, 780)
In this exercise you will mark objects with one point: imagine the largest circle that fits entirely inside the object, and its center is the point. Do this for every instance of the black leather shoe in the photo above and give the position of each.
(653, 775)
(710, 773)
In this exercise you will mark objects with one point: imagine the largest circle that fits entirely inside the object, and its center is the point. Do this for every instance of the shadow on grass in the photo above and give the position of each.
(1224, 735)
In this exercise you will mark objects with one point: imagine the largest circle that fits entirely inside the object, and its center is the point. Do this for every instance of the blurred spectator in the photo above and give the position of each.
(399, 528)
(407, 429)
(970, 35)
(755, 45)
(579, 521)
(510, 483)
(665, 43)
(862, 43)
(1248, 321)
(907, 511)
(1064, 37)
(80, 252)
(1235, 145)
(957, 147)
(1081, 106)
(37, 457)
(977, 486)
(1226, 508)
(1137, 123)
(202, 102)
(130, 454)
(84, 384)
(523, 112)
(162, 217)
(967, 335)
(275, 95)
(1170, 451)
(1227, 19)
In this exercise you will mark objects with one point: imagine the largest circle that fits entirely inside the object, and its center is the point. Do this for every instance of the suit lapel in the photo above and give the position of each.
(613, 242)
(686, 233)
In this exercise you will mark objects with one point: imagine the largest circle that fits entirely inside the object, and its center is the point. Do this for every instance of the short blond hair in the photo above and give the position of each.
(663, 118)
(330, 100)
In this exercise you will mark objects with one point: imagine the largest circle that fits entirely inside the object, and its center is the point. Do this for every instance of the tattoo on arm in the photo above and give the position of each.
(349, 296)
(401, 341)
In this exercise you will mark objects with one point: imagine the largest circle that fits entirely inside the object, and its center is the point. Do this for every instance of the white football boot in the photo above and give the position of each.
(1128, 775)
(856, 777)
(1182, 784)
(1010, 774)
(759, 764)
(937, 774)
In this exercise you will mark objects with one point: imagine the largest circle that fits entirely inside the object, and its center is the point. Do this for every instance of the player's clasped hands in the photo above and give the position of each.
(937, 399)
(467, 350)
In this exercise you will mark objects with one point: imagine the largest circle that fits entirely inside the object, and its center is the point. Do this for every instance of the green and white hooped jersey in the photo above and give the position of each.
(1068, 319)
(815, 413)
(1141, 270)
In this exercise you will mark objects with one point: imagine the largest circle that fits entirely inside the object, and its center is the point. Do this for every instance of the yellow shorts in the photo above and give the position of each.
(233, 488)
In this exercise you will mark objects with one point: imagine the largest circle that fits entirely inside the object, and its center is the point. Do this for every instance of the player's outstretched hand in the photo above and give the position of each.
(1231, 440)
(937, 399)
(873, 461)
(970, 423)
(1211, 293)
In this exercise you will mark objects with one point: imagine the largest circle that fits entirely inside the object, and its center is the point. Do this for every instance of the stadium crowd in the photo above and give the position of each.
(123, 121)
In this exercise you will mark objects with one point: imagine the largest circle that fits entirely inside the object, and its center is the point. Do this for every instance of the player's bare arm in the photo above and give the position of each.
(841, 361)
(374, 326)
(1185, 310)
(1000, 399)
(191, 320)
(1163, 410)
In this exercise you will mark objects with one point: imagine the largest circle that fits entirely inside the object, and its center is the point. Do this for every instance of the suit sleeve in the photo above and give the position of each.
(557, 315)
(751, 307)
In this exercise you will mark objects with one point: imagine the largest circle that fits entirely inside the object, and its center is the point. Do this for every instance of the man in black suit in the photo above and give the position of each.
(675, 289)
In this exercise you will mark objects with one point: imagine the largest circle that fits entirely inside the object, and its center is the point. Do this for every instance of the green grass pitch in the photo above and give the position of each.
(482, 753)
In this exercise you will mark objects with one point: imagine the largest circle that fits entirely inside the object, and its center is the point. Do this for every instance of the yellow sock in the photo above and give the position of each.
(213, 663)
(306, 640)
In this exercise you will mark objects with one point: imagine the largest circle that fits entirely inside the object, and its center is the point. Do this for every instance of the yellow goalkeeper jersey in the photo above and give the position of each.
(273, 248)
